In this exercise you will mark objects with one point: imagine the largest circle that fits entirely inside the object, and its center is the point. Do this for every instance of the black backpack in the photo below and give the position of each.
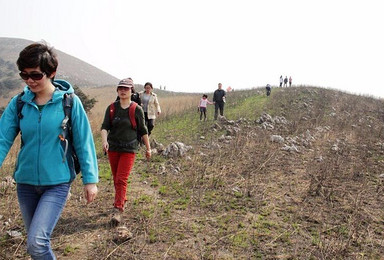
(66, 134)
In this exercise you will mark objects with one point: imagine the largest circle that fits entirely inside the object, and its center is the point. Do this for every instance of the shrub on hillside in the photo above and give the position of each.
(88, 103)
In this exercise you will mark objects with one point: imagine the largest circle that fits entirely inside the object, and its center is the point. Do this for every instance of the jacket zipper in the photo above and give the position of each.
(39, 148)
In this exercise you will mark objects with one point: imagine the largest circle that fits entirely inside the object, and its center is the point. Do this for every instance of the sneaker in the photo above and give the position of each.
(116, 217)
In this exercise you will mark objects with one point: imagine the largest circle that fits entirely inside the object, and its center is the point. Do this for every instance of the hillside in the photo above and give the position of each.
(297, 175)
(70, 68)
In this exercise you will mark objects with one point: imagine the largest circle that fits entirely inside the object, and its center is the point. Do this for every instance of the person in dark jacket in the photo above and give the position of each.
(219, 100)
(135, 96)
(43, 175)
(268, 89)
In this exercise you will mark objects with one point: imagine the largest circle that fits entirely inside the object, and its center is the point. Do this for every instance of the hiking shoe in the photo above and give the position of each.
(116, 217)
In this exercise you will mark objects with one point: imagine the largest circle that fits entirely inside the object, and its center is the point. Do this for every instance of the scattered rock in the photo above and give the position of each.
(156, 146)
(335, 147)
(15, 234)
(277, 139)
(216, 126)
(268, 122)
(161, 170)
(236, 189)
(176, 149)
(290, 149)
(122, 234)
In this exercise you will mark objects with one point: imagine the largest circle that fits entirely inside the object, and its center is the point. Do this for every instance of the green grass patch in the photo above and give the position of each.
(105, 171)
(250, 108)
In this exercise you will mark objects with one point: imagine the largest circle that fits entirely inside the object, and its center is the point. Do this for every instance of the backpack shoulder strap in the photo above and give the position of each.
(67, 104)
(19, 105)
(67, 107)
(132, 109)
(112, 111)
(131, 113)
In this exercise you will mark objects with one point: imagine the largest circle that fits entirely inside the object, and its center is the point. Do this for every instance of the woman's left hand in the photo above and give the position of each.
(90, 192)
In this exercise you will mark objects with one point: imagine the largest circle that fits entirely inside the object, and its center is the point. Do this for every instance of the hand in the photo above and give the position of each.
(105, 147)
(90, 192)
(148, 154)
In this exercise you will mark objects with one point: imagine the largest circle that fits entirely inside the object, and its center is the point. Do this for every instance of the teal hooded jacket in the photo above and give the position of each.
(41, 159)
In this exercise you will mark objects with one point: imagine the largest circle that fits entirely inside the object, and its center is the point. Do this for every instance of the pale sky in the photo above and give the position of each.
(190, 46)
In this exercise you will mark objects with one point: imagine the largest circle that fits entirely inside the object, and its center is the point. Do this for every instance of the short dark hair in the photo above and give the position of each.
(205, 96)
(38, 54)
(148, 84)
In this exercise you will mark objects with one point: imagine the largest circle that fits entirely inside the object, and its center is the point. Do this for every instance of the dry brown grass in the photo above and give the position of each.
(170, 105)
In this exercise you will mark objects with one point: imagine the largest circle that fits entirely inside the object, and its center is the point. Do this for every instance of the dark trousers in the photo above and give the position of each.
(203, 111)
(219, 105)
(150, 123)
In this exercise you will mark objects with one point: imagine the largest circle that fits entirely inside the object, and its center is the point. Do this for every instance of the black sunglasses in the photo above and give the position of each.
(33, 75)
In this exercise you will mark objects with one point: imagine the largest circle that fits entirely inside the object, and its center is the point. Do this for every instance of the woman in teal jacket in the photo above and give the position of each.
(43, 172)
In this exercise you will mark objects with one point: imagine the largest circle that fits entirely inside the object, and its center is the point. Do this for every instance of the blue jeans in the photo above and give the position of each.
(41, 207)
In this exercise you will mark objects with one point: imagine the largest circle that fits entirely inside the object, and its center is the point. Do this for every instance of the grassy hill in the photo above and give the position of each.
(297, 175)
(70, 68)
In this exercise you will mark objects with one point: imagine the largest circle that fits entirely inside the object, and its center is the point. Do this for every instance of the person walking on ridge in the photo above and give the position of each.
(203, 107)
(219, 100)
(290, 81)
(268, 89)
(281, 81)
(119, 140)
(285, 81)
(45, 167)
(150, 105)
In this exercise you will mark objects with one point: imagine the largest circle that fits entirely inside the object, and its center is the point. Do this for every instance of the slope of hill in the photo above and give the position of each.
(70, 68)
(297, 175)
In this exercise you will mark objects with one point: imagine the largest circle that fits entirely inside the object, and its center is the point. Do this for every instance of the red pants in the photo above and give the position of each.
(121, 165)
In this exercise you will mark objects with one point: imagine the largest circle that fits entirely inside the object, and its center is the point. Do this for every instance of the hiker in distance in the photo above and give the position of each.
(150, 105)
(281, 81)
(119, 140)
(290, 81)
(285, 81)
(202, 108)
(268, 89)
(45, 167)
(219, 100)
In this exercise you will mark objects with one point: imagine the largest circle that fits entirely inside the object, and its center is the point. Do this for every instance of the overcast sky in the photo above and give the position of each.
(192, 45)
